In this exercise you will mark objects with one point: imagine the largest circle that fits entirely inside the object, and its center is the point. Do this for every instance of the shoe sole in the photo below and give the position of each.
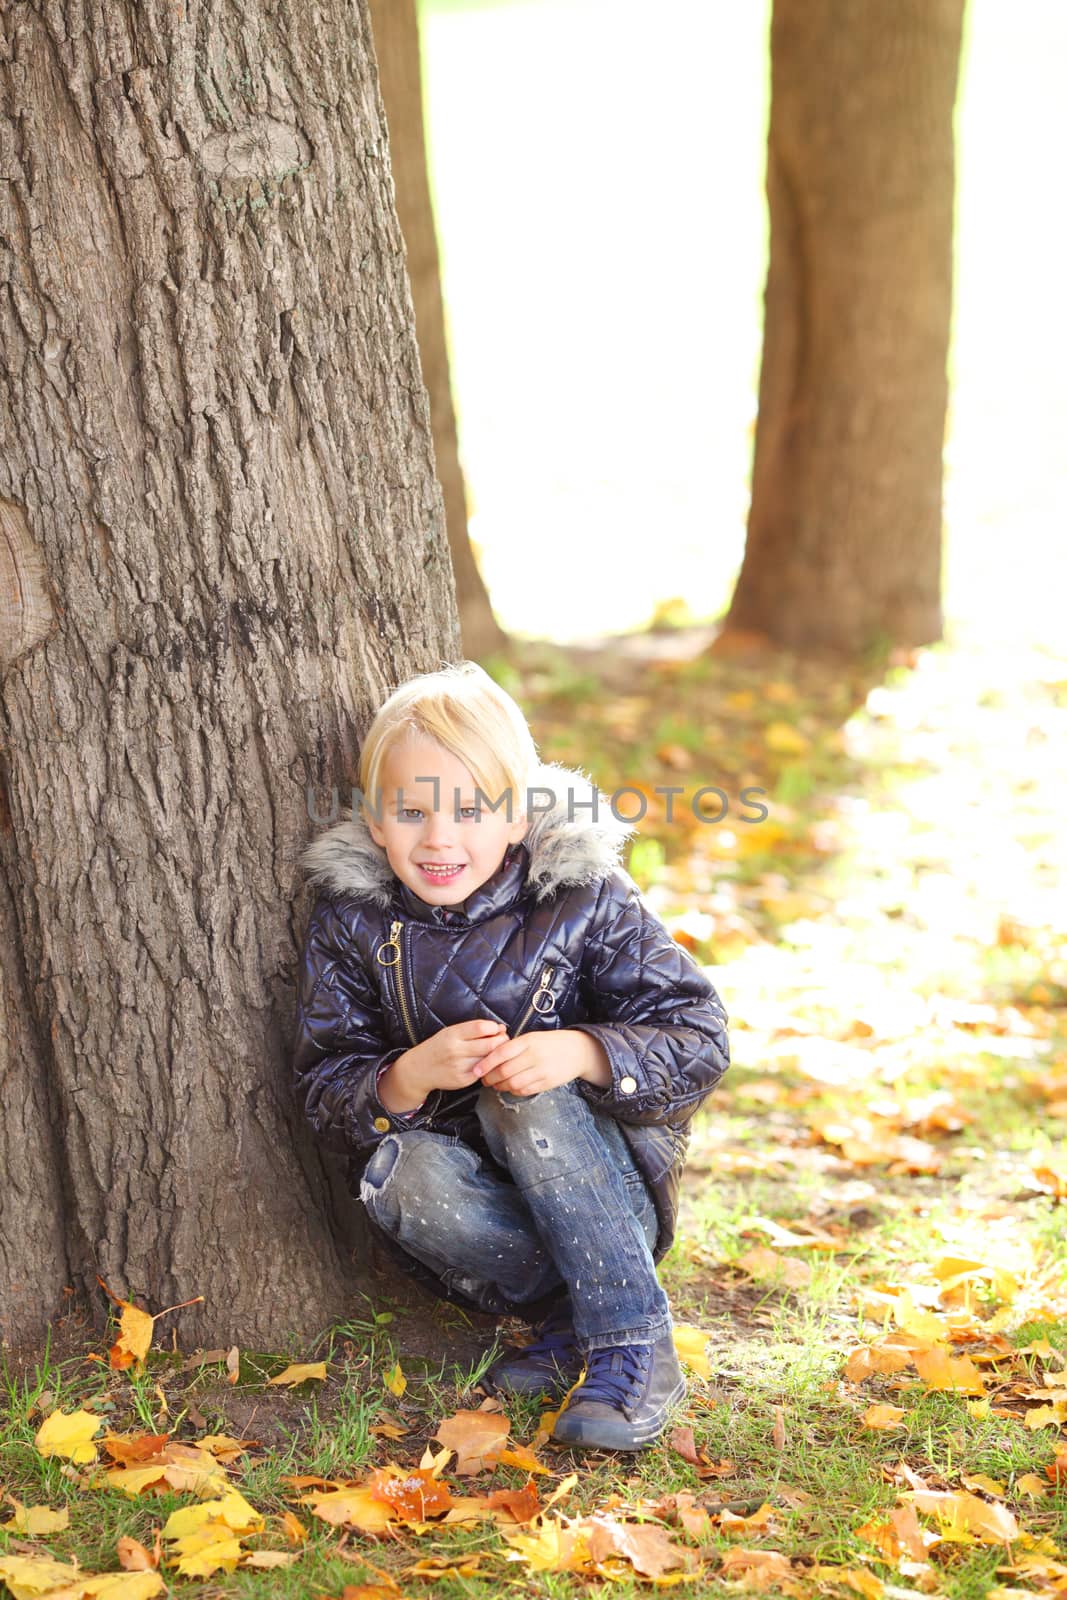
(602, 1434)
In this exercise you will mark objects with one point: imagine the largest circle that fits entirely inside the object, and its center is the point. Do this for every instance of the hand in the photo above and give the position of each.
(450, 1059)
(544, 1060)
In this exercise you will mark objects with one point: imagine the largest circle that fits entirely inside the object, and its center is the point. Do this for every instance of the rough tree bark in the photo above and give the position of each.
(396, 41)
(844, 533)
(222, 543)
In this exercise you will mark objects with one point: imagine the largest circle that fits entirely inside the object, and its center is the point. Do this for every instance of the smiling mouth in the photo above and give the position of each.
(441, 872)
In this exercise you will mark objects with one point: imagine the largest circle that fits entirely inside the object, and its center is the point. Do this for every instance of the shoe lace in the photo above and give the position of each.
(612, 1375)
(554, 1336)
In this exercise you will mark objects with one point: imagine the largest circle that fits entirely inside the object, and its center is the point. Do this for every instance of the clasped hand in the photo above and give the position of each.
(481, 1052)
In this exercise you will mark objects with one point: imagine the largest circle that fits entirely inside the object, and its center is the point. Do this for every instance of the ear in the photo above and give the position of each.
(518, 830)
(376, 832)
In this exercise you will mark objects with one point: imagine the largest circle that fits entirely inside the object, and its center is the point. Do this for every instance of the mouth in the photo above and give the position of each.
(440, 874)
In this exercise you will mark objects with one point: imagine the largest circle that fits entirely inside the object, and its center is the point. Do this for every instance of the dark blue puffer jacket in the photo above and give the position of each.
(558, 937)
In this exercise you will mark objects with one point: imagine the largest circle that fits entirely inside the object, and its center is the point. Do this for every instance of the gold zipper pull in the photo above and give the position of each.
(393, 942)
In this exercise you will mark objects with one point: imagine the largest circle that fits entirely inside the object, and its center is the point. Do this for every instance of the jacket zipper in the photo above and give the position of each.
(397, 962)
(541, 992)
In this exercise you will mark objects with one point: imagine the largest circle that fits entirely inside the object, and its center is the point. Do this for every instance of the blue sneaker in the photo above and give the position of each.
(549, 1364)
(625, 1398)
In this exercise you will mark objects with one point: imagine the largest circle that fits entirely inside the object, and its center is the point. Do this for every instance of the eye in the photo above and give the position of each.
(470, 811)
(409, 811)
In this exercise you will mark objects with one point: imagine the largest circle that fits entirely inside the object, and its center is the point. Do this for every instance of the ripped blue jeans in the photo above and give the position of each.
(577, 1213)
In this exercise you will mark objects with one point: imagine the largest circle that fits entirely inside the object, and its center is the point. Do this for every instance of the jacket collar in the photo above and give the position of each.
(559, 849)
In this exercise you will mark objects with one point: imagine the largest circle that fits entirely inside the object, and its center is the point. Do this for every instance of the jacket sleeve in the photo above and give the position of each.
(658, 1017)
(340, 1046)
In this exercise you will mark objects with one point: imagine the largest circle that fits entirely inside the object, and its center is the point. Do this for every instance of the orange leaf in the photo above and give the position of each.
(412, 1498)
(882, 1416)
(939, 1370)
(477, 1437)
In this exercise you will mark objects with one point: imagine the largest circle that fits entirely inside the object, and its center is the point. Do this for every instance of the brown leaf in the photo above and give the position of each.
(682, 1440)
(778, 1435)
(477, 1437)
(649, 1549)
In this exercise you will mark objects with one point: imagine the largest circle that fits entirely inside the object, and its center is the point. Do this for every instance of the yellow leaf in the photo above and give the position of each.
(963, 1516)
(785, 740)
(691, 1344)
(68, 1434)
(1032, 1485)
(271, 1558)
(1047, 1416)
(297, 1373)
(395, 1380)
(30, 1576)
(36, 1519)
(857, 1578)
(764, 1263)
(135, 1337)
(120, 1586)
(206, 1549)
(882, 1416)
(553, 1548)
(979, 1409)
(517, 1455)
(232, 1509)
(979, 1480)
(354, 1508)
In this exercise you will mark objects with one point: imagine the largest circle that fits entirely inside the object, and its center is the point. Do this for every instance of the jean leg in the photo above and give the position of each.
(439, 1201)
(573, 1179)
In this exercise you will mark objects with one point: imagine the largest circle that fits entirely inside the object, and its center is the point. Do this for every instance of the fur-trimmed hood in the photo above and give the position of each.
(565, 844)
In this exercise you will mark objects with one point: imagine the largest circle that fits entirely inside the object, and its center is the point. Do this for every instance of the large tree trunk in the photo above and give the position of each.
(223, 543)
(396, 40)
(844, 533)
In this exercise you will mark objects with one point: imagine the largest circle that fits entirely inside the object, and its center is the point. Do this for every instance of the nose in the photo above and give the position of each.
(438, 829)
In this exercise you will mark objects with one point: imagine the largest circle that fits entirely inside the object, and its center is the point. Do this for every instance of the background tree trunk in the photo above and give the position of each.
(223, 544)
(396, 39)
(844, 533)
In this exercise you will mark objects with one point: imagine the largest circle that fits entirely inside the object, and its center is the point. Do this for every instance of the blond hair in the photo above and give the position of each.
(466, 712)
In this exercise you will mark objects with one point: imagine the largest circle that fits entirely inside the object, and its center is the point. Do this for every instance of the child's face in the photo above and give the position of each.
(416, 836)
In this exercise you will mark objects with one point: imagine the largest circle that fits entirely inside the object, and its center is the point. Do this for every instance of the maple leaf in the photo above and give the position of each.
(35, 1519)
(939, 1370)
(882, 1416)
(477, 1438)
(411, 1497)
(270, 1558)
(966, 1517)
(522, 1504)
(133, 1557)
(649, 1549)
(352, 1508)
(68, 1434)
(130, 1447)
(211, 1547)
(297, 1373)
(691, 1345)
(764, 1263)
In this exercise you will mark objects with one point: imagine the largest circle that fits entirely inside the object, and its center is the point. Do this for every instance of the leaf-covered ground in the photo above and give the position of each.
(872, 1234)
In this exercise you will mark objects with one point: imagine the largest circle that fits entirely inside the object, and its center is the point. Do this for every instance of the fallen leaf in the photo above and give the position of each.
(939, 1370)
(961, 1514)
(683, 1442)
(412, 1497)
(68, 1434)
(763, 1263)
(477, 1437)
(691, 1343)
(395, 1380)
(298, 1373)
(649, 1549)
(778, 1432)
(882, 1416)
(270, 1558)
(36, 1519)
(133, 1557)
